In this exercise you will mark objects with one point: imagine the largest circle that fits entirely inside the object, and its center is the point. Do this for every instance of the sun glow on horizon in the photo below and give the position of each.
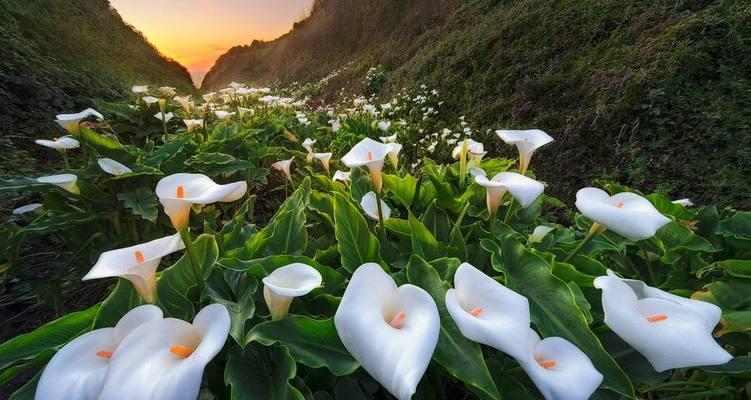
(196, 32)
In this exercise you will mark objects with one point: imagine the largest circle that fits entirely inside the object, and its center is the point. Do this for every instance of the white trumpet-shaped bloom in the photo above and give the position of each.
(283, 166)
(149, 100)
(539, 233)
(242, 111)
(167, 90)
(77, 371)
(191, 124)
(684, 202)
(476, 150)
(489, 313)
(139, 89)
(369, 204)
(165, 359)
(27, 208)
(63, 143)
(388, 139)
(178, 193)
(391, 331)
(626, 214)
(560, 370)
(286, 283)
(525, 190)
(138, 264)
(670, 331)
(307, 144)
(526, 142)
(65, 181)
(224, 115)
(113, 167)
(369, 153)
(324, 158)
(70, 122)
(394, 154)
(341, 176)
(164, 117)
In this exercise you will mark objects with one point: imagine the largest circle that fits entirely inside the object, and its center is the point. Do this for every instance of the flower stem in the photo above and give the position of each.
(188, 241)
(593, 231)
(164, 125)
(491, 221)
(381, 226)
(65, 158)
(650, 269)
(509, 211)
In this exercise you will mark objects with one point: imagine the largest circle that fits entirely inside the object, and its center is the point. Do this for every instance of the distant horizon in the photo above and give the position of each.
(199, 31)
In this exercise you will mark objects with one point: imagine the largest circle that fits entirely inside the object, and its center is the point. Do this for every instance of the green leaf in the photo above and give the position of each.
(356, 244)
(19, 184)
(104, 145)
(423, 242)
(235, 291)
(312, 342)
(333, 281)
(402, 188)
(553, 306)
(461, 357)
(141, 202)
(59, 221)
(735, 268)
(216, 164)
(122, 299)
(259, 372)
(734, 321)
(679, 240)
(290, 235)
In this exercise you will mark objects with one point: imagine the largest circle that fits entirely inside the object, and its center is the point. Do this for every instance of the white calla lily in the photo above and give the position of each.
(684, 202)
(70, 122)
(139, 89)
(113, 167)
(526, 142)
(192, 124)
(27, 208)
(394, 154)
(384, 125)
(60, 144)
(178, 193)
(224, 115)
(286, 283)
(138, 264)
(77, 371)
(489, 313)
(560, 370)
(167, 90)
(307, 144)
(149, 100)
(283, 166)
(670, 331)
(324, 159)
(164, 117)
(341, 176)
(242, 111)
(539, 233)
(476, 150)
(391, 331)
(370, 206)
(525, 190)
(388, 139)
(65, 181)
(626, 214)
(476, 171)
(165, 359)
(369, 153)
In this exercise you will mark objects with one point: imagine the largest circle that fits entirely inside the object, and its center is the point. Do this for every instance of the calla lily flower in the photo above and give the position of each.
(560, 370)
(149, 100)
(27, 208)
(65, 181)
(138, 264)
(539, 233)
(370, 206)
(191, 124)
(113, 167)
(178, 193)
(283, 166)
(77, 371)
(525, 190)
(476, 171)
(139, 89)
(369, 153)
(476, 151)
(394, 154)
(242, 111)
(307, 144)
(164, 117)
(70, 122)
(391, 331)
(324, 159)
(223, 115)
(388, 139)
(526, 141)
(341, 176)
(165, 359)
(626, 214)
(489, 313)
(59, 144)
(670, 331)
(684, 202)
(167, 90)
(286, 283)
(384, 125)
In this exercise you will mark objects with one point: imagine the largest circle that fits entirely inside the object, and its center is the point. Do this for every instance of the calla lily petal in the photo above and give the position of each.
(324, 159)
(70, 122)
(526, 142)
(539, 233)
(65, 181)
(489, 313)
(283, 166)
(341, 176)
(370, 206)
(63, 143)
(369, 153)
(27, 208)
(626, 214)
(391, 331)
(77, 371)
(286, 283)
(140, 89)
(113, 167)
(164, 117)
(525, 190)
(224, 115)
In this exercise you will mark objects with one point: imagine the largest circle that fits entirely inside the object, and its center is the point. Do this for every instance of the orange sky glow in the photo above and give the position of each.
(197, 32)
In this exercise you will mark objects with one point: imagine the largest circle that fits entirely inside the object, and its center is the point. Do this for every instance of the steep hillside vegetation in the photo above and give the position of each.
(653, 94)
(58, 54)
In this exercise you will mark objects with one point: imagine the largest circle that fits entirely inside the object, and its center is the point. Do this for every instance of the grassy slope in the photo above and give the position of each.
(58, 54)
(653, 94)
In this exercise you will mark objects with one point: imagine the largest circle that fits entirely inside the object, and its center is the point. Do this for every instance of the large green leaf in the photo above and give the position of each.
(553, 306)
(122, 299)
(259, 372)
(461, 357)
(423, 242)
(356, 244)
(312, 342)
(235, 291)
(734, 321)
(402, 188)
(141, 202)
(290, 236)
(260, 268)
(19, 184)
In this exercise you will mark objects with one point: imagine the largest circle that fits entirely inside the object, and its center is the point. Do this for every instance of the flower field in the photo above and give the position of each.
(253, 244)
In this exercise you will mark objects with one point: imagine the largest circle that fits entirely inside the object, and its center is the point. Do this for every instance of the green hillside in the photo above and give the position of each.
(652, 94)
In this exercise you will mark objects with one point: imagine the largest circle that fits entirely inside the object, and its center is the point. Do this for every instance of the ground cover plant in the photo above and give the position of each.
(249, 244)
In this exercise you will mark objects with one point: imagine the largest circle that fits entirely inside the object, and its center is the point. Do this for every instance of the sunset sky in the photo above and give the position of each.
(196, 32)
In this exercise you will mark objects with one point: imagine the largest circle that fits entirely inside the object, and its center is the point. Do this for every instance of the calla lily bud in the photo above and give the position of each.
(113, 167)
(369, 153)
(370, 206)
(670, 331)
(65, 181)
(286, 283)
(525, 190)
(283, 166)
(526, 142)
(626, 214)
(391, 331)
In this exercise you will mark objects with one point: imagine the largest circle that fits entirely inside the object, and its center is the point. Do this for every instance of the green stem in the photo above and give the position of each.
(188, 241)
(593, 231)
(509, 211)
(650, 269)
(65, 158)
(164, 125)
(381, 226)
(491, 222)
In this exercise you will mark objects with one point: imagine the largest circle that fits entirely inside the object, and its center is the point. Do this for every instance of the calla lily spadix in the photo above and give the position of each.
(65, 181)
(525, 190)
(341, 176)
(192, 124)
(78, 370)
(164, 117)
(626, 214)
(113, 167)
(165, 359)
(539, 233)
(391, 331)
(526, 142)
(489, 313)
(283, 166)
(371, 154)
(178, 193)
(138, 264)
(60, 144)
(27, 208)
(286, 283)
(670, 331)
(324, 158)
(369, 205)
(560, 370)
(70, 122)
